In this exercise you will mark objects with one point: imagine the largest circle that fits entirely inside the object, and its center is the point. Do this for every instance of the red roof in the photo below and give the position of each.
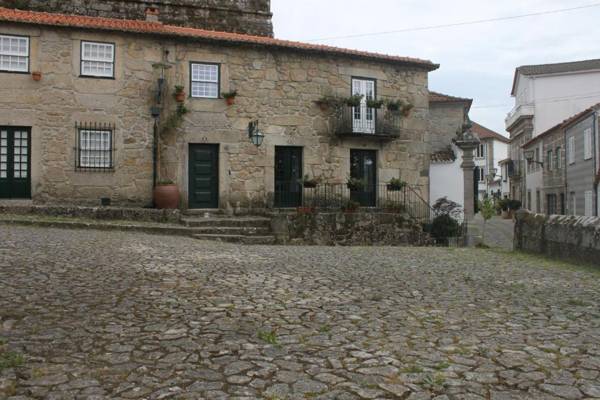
(443, 156)
(436, 97)
(562, 124)
(157, 28)
(486, 133)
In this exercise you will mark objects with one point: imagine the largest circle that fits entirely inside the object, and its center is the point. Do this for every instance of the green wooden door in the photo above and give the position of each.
(363, 166)
(15, 163)
(288, 172)
(204, 176)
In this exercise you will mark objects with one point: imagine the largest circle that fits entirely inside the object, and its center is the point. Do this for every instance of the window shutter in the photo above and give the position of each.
(587, 144)
(571, 150)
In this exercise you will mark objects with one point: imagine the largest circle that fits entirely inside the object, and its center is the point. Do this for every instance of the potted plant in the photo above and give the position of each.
(309, 183)
(36, 75)
(166, 195)
(179, 94)
(230, 97)
(394, 105)
(395, 185)
(350, 206)
(326, 101)
(354, 101)
(355, 184)
(376, 104)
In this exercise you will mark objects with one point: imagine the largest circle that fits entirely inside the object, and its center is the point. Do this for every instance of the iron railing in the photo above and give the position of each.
(367, 122)
(338, 196)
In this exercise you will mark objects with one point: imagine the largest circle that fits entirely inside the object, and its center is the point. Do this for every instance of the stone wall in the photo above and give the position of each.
(445, 120)
(568, 237)
(240, 16)
(348, 229)
(277, 87)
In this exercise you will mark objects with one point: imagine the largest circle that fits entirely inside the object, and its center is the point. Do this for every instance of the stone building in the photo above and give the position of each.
(80, 106)
(251, 17)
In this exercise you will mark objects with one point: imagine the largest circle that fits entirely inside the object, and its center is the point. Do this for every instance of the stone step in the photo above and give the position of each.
(233, 230)
(250, 222)
(242, 239)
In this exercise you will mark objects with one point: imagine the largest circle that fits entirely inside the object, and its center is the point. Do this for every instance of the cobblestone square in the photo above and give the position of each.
(107, 315)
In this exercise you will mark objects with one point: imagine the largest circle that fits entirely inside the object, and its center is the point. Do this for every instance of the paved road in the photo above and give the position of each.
(105, 315)
(499, 233)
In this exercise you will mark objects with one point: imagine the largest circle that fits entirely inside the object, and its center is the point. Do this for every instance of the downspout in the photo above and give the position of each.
(595, 163)
(155, 154)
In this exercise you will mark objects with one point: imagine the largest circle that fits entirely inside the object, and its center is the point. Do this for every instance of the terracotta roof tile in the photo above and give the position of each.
(436, 97)
(157, 28)
(443, 156)
(486, 133)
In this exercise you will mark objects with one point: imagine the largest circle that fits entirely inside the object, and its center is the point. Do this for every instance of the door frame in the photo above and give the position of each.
(217, 146)
(11, 129)
(364, 119)
(301, 191)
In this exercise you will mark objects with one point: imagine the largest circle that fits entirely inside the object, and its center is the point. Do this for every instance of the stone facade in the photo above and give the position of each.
(445, 120)
(554, 178)
(240, 16)
(520, 133)
(275, 86)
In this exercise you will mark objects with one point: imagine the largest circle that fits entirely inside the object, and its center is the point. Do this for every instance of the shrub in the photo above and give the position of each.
(444, 227)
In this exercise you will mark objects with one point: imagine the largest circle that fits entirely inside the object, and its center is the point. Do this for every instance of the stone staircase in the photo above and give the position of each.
(219, 227)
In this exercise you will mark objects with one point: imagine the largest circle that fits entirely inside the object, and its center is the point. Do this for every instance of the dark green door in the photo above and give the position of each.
(363, 166)
(204, 176)
(288, 172)
(15, 163)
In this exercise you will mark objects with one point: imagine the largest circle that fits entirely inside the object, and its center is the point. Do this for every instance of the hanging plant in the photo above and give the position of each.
(354, 101)
(394, 105)
(179, 94)
(376, 104)
(174, 120)
(395, 185)
(230, 97)
(355, 184)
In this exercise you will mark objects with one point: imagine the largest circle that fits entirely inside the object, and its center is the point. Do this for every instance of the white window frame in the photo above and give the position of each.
(9, 55)
(98, 155)
(91, 66)
(571, 150)
(587, 144)
(199, 84)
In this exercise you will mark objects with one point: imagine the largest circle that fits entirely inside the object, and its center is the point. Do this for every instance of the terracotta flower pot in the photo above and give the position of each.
(37, 76)
(180, 97)
(166, 197)
(230, 101)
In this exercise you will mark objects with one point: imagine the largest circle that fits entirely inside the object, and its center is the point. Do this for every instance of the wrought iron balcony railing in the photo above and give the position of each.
(363, 121)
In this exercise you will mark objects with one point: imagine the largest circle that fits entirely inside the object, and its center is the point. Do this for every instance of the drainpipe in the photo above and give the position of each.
(595, 163)
(155, 153)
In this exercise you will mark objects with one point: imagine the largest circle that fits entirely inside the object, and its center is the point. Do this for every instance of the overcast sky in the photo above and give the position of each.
(477, 61)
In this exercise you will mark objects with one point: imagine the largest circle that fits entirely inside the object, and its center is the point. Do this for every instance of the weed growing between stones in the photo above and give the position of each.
(10, 359)
(268, 337)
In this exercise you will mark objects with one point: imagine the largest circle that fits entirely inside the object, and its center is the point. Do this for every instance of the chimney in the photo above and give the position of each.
(152, 14)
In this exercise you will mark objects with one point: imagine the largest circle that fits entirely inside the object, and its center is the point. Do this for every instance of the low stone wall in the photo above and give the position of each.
(568, 237)
(100, 213)
(348, 229)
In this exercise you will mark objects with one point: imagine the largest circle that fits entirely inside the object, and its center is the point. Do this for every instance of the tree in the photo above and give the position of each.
(487, 212)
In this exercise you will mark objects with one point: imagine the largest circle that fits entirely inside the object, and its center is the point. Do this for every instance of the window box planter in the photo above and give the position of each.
(396, 185)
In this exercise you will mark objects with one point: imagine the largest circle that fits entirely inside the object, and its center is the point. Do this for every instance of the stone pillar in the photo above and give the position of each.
(468, 143)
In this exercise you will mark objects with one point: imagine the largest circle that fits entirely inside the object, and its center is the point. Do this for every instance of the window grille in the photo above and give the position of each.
(94, 147)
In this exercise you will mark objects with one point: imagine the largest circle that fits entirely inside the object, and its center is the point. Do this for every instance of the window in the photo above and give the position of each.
(589, 203)
(14, 53)
(95, 149)
(536, 166)
(205, 80)
(571, 150)
(538, 202)
(551, 204)
(97, 59)
(558, 158)
(573, 204)
(587, 144)
(549, 160)
(481, 150)
(529, 200)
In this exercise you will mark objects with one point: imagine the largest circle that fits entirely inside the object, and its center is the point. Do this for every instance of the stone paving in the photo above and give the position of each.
(111, 315)
(498, 232)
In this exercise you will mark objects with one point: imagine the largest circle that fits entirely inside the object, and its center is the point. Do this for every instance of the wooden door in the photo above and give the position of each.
(15, 163)
(204, 176)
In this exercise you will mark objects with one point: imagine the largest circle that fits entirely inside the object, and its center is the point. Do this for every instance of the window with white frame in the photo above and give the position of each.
(204, 80)
(481, 150)
(571, 150)
(95, 150)
(97, 59)
(14, 53)
(587, 144)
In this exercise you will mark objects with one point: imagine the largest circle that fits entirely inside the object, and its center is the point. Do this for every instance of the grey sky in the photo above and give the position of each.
(477, 61)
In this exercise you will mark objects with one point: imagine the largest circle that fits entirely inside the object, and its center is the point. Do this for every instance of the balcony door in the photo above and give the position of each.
(15, 163)
(363, 117)
(363, 166)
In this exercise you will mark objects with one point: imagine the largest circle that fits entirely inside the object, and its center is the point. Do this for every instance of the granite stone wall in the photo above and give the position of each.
(276, 87)
(568, 237)
(240, 16)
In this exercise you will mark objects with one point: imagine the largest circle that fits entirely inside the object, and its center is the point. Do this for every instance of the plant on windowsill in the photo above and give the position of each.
(230, 97)
(308, 182)
(396, 185)
(355, 184)
(376, 104)
(179, 94)
(166, 194)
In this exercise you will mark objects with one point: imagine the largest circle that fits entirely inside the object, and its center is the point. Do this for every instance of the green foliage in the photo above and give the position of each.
(10, 359)
(174, 120)
(396, 184)
(444, 227)
(514, 205)
(269, 337)
(354, 101)
(487, 208)
(230, 95)
(178, 89)
(350, 205)
(355, 184)
(372, 103)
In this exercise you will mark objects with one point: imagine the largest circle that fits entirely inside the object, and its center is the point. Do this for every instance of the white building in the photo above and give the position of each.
(492, 149)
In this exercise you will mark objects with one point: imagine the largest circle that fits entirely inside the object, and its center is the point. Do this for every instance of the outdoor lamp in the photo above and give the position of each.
(529, 156)
(493, 172)
(255, 135)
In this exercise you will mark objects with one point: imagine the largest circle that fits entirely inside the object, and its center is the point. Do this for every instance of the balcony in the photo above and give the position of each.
(524, 110)
(365, 122)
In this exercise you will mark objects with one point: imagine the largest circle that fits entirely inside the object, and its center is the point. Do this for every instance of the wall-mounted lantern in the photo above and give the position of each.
(255, 135)
(529, 156)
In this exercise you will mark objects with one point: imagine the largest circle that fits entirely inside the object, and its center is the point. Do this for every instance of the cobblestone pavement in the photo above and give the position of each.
(498, 232)
(100, 315)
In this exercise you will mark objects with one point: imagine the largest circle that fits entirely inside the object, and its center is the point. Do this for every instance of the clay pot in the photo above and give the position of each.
(37, 76)
(230, 101)
(180, 97)
(166, 197)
